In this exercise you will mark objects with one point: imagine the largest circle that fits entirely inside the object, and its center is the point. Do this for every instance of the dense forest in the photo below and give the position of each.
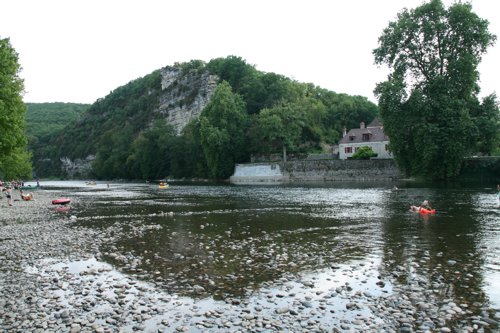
(250, 112)
(43, 119)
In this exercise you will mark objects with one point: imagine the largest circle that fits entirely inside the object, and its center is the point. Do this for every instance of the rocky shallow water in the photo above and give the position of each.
(58, 275)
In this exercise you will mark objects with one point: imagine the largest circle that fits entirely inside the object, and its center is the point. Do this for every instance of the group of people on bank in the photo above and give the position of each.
(7, 188)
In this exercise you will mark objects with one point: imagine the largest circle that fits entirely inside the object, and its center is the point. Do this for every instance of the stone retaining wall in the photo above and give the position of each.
(258, 173)
(342, 170)
(316, 170)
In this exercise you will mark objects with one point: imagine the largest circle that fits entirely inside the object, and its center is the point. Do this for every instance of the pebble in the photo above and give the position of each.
(40, 292)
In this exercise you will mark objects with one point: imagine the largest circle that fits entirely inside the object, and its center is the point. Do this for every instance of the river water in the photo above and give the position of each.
(233, 241)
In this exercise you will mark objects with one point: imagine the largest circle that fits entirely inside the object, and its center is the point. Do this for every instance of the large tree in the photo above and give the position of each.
(433, 54)
(14, 158)
(290, 127)
(223, 124)
(152, 152)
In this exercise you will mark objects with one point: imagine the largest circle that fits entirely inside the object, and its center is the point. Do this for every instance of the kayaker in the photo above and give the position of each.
(415, 208)
(426, 205)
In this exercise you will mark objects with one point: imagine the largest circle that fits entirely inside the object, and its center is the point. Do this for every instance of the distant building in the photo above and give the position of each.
(372, 136)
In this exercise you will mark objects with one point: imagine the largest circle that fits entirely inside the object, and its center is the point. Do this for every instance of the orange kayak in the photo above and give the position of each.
(427, 211)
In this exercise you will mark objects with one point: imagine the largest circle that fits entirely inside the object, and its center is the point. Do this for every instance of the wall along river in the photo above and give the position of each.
(245, 244)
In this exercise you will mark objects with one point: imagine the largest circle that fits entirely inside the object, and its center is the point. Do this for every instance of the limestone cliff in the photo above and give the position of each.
(78, 167)
(176, 93)
(184, 94)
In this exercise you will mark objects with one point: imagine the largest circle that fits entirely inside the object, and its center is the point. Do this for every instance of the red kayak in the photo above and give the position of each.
(427, 211)
(422, 211)
(62, 201)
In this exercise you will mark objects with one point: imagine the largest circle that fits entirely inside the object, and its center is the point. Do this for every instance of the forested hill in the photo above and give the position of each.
(48, 118)
(198, 119)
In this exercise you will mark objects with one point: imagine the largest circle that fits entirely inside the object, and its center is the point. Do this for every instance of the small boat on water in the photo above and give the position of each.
(422, 210)
(29, 187)
(92, 183)
(427, 211)
(61, 201)
(163, 185)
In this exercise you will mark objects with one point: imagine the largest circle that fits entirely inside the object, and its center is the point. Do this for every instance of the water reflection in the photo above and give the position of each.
(228, 241)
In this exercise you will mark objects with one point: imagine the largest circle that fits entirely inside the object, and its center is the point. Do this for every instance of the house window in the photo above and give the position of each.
(366, 137)
(348, 150)
(386, 147)
(351, 137)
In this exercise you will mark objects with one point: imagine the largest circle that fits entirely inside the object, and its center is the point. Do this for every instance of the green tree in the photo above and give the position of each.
(44, 119)
(14, 158)
(433, 54)
(188, 160)
(152, 152)
(486, 118)
(364, 153)
(223, 124)
(279, 127)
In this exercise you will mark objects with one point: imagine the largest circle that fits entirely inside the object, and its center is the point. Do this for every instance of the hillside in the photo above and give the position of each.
(194, 119)
(48, 118)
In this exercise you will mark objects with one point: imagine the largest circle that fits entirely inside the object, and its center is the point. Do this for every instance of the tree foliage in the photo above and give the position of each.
(14, 158)
(364, 153)
(433, 54)
(129, 137)
(280, 127)
(486, 120)
(223, 125)
(152, 152)
(44, 119)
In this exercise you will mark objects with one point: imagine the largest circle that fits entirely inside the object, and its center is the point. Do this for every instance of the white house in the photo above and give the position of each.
(372, 136)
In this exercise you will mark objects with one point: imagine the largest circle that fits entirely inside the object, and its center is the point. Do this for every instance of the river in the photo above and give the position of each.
(226, 241)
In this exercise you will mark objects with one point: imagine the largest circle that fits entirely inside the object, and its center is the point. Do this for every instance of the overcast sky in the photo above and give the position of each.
(81, 50)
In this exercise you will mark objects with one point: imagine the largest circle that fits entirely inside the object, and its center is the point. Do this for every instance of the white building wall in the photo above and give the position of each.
(378, 147)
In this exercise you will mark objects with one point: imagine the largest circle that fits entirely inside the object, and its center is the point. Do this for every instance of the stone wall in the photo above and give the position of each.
(258, 173)
(316, 170)
(342, 170)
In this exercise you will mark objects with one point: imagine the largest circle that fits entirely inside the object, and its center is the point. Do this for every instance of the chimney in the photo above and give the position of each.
(345, 132)
(362, 124)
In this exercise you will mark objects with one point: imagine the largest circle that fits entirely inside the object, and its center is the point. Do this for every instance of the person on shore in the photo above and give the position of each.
(26, 197)
(8, 194)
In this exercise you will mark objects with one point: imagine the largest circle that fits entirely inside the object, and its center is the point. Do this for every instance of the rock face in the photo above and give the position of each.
(185, 94)
(78, 167)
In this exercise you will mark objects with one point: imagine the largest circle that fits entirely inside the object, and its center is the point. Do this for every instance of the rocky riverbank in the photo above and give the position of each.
(53, 278)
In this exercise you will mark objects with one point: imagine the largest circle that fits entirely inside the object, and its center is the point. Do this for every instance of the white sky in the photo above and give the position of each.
(80, 50)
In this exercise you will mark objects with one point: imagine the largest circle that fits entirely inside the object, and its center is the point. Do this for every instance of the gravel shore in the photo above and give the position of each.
(53, 279)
